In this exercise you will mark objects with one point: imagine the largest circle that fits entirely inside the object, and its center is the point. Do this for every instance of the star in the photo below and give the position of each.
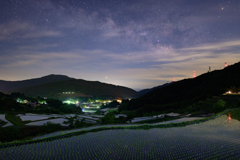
(128, 40)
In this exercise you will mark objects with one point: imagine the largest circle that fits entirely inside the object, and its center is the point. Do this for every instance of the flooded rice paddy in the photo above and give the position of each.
(214, 139)
(40, 123)
(41, 119)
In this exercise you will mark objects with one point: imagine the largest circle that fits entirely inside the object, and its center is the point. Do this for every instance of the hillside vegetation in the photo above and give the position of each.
(8, 86)
(78, 88)
(185, 92)
(145, 91)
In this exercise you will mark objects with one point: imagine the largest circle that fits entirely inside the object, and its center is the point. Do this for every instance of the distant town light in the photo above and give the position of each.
(68, 92)
(68, 102)
(119, 101)
(19, 100)
(25, 101)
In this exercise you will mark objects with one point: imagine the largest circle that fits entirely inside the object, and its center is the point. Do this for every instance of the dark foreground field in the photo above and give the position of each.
(213, 139)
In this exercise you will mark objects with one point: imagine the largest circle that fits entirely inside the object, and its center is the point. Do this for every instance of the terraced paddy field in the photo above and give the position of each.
(214, 139)
(30, 119)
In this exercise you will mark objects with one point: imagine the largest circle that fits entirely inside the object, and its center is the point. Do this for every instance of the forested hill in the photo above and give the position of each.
(8, 86)
(79, 88)
(145, 91)
(187, 91)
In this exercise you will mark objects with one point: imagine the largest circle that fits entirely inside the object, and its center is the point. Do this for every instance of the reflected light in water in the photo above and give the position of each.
(229, 118)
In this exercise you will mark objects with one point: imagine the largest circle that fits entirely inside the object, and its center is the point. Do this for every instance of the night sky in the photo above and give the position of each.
(134, 43)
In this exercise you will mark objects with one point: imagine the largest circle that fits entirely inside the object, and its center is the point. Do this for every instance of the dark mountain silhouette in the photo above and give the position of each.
(75, 88)
(144, 91)
(185, 92)
(8, 86)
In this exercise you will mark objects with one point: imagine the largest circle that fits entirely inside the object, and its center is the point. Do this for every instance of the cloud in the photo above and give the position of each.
(159, 64)
(9, 29)
(20, 63)
(150, 41)
(40, 34)
(75, 58)
(36, 47)
(178, 63)
(216, 46)
(24, 30)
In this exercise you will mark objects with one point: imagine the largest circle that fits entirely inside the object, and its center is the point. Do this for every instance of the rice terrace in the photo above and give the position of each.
(216, 138)
(119, 80)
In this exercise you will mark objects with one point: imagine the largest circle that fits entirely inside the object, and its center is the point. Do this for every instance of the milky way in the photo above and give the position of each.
(135, 43)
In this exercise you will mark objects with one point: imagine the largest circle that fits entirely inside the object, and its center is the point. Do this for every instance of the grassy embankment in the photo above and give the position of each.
(16, 120)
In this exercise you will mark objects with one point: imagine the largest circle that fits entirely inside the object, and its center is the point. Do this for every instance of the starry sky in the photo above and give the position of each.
(135, 43)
